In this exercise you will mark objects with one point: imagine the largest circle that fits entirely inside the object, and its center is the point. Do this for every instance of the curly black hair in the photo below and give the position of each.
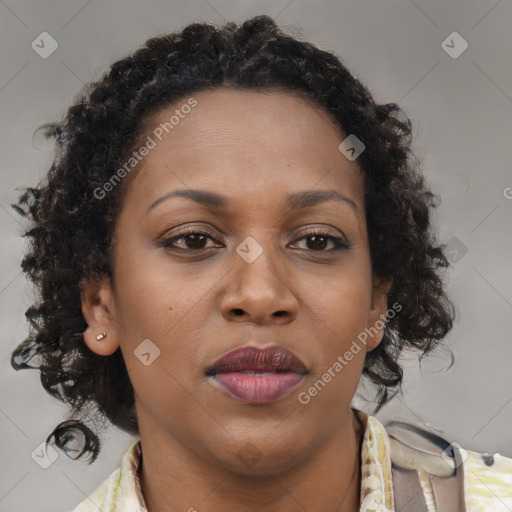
(71, 231)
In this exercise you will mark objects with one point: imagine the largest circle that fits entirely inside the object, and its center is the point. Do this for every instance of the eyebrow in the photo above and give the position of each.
(294, 202)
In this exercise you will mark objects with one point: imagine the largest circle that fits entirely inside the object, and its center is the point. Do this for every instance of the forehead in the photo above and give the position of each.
(267, 119)
(269, 143)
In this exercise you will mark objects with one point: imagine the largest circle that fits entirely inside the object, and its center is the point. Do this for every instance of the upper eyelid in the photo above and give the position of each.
(199, 229)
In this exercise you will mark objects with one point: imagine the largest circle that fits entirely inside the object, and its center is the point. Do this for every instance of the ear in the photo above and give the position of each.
(98, 309)
(377, 314)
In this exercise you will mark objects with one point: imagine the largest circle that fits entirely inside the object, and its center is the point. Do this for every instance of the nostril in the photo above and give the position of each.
(280, 313)
(238, 312)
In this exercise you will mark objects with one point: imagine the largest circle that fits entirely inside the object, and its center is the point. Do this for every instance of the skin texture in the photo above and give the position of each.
(255, 148)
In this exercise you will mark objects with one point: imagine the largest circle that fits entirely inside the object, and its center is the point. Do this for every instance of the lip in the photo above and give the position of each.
(257, 376)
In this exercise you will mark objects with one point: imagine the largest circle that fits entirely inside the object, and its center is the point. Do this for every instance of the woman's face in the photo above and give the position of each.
(257, 277)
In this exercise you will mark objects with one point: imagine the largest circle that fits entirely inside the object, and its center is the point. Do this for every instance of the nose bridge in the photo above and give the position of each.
(259, 285)
(256, 264)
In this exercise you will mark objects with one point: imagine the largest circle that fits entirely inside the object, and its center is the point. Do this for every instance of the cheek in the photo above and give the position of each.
(166, 304)
(343, 299)
(340, 310)
(341, 315)
(348, 308)
(154, 295)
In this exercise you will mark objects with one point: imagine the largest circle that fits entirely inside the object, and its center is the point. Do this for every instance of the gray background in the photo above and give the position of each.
(461, 110)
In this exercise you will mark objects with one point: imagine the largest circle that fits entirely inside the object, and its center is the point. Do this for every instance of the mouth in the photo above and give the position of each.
(255, 376)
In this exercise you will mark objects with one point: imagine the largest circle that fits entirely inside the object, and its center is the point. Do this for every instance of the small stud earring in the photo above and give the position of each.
(101, 336)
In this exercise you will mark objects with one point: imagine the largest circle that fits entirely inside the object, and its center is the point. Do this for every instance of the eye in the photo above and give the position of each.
(319, 239)
(190, 239)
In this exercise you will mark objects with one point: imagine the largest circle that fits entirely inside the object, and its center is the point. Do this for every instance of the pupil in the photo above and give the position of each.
(191, 239)
(317, 239)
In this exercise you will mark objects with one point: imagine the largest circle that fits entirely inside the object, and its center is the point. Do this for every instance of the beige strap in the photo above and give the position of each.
(449, 492)
(407, 491)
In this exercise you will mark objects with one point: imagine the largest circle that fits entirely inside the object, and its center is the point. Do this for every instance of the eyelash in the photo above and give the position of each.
(339, 243)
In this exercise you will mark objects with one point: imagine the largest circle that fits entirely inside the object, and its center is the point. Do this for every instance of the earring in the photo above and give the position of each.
(101, 336)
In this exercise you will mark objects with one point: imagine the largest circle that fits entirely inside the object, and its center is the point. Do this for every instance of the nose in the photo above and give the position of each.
(259, 293)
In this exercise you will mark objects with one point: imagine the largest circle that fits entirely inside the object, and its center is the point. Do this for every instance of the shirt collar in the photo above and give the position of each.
(130, 497)
(376, 480)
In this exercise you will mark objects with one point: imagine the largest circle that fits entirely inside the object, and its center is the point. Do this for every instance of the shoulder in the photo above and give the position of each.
(487, 481)
(483, 480)
(118, 493)
(104, 498)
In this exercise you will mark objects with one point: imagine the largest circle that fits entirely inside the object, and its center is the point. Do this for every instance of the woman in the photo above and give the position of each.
(231, 234)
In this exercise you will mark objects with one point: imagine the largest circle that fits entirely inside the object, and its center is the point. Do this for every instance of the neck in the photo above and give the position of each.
(173, 477)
